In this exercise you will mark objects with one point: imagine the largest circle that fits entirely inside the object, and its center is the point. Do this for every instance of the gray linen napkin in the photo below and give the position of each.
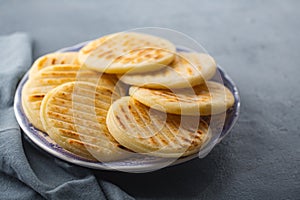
(31, 174)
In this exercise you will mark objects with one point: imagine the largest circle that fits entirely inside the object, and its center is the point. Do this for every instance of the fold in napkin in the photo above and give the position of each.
(26, 173)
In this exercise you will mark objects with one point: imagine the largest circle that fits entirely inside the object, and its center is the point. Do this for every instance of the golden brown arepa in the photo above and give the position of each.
(50, 77)
(151, 132)
(127, 52)
(206, 99)
(57, 58)
(74, 115)
(187, 70)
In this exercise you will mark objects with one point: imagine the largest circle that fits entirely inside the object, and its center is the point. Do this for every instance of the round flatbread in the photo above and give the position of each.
(50, 77)
(206, 99)
(57, 58)
(74, 115)
(188, 69)
(127, 52)
(154, 133)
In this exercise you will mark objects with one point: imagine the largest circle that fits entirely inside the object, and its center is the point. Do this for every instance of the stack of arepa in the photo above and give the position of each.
(125, 93)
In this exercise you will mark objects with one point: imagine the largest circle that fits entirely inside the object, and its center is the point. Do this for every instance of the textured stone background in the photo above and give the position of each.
(257, 42)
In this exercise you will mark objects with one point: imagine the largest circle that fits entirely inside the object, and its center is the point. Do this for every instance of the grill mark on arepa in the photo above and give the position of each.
(56, 81)
(120, 122)
(78, 113)
(53, 61)
(42, 62)
(70, 110)
(40, 89)
(108, 83)
(71, 119)
(84, 96)
(77, 98)
(153, 142)
(142, 113)
(88, 138)
(192, 138)
(65, 68)
(169, 96)
(76, 148)
(59, 118)
(139, 119)
(124, 113)
(71, 126)
(36, 97)
(173, 138)
(60, 74)
(106, 90)
(85, 107)
(166, 132)
(83, 145)
(88, 147)
(140, 108)
(131, 123)
(181, 136)
(105, 54)
(143, 116)
(189, 71)
(93, 45)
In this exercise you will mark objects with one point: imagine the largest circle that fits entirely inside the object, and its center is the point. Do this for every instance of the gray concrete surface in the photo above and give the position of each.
(258, 44)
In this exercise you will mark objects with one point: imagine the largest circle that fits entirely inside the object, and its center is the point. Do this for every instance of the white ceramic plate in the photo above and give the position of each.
(135, 164)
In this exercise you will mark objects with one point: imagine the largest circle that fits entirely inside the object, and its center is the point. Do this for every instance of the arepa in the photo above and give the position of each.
(50, 77)
(74, 115)
(188, 69)
(127, 52)
(151, 132)
(54, 59)
(206, 99)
